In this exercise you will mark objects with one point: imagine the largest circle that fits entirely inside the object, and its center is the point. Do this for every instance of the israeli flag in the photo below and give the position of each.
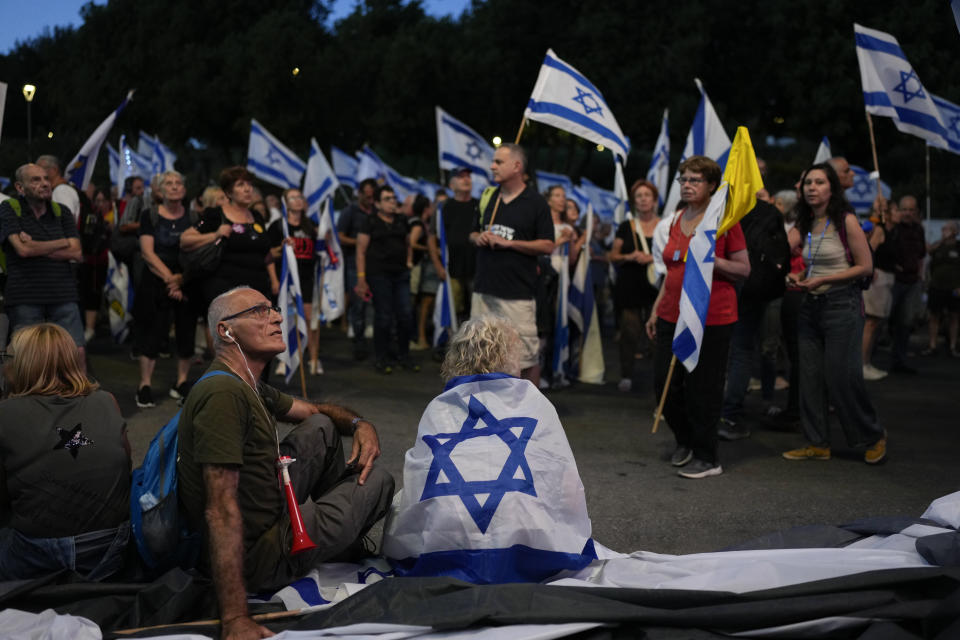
(290, 301)
(604, 202)
(444, 312)
(622, 209)
(113, 158)
(271, 161)
(80, 169)
(706, 138)
(460, 146)
(145, 145)
(402, 185)
(578, 195)
(545, 180)
(864, 190)
(697, 282)
(563, 98)
(344, 167)
(163, 157)
(369, 165)
(823, 151)
(119, 294)
(561, 326)
(582, 312)
(891, 87)
(328, 285)
(950, 116)
(491, 491)
(428, 189)
(319, 181)
(659, 171)
(132, 164)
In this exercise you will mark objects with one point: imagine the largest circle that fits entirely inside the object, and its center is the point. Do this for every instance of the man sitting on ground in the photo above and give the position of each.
(228, 448)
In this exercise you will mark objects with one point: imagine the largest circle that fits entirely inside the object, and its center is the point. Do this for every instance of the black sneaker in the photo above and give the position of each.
(700, 469)
(681, 456)
(382, 367)
(179, 392)
(409, 365)
(145, 397)
(728, 430)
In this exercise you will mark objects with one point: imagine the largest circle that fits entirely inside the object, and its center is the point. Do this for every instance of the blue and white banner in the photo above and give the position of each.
(580, 196)
(271, 161)
(583, 313)
(823, 151)
(370, 165)
(344, 167)
(950, 116)
(491, 491)
(145, 144)
(132, 164)
(697, 282)
(319, 181)
(80, 169)
(707, 137)
(563, 98)
(444, 310)
(119, 294)
(864, 190)
(429, 189)
(545, 180)
(163, 157)
(604, 202)
(290, 300)
(892, 88)
(459, 146)
(113, 158)
(328, 285)
(659, 171)
(561, 324)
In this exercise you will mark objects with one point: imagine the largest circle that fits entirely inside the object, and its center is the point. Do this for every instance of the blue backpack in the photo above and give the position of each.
(163, 538)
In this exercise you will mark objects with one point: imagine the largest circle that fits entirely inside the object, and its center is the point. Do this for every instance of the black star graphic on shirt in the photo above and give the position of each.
(72, 439)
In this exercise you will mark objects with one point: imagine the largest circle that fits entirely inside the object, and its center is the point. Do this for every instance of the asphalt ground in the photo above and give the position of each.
(634, 497)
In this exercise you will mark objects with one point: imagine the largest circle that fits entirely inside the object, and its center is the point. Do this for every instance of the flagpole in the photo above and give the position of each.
(303, 378)
(873, 148)
(496, 205)
(663, 396)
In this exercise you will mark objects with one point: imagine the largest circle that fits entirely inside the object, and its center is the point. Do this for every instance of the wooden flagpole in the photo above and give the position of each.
(873, 148)
(663, 396)
(260, 617)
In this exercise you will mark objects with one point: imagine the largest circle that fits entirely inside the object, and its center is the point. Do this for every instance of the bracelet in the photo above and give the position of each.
(361, 274)
(355, 421)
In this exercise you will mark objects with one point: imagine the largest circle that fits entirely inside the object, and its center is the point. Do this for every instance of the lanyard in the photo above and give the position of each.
(810, 254)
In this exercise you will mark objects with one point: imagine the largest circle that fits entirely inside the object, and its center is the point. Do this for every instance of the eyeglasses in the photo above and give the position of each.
(683, 179)
(261, 311)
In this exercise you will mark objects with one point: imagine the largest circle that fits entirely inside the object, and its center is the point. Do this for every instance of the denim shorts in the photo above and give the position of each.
(65, 314)
(95, 555)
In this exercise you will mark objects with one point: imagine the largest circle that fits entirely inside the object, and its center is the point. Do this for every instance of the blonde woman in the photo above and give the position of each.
(65, 462)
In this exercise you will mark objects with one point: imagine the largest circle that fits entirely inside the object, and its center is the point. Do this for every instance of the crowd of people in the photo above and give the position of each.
(800, 286)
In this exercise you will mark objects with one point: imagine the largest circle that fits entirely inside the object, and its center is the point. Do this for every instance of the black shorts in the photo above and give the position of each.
(939, 300)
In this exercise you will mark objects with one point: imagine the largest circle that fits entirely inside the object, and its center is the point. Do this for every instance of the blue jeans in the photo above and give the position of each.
(95, 555)
(65, 314)
(750, 323)
(906, 304)
(357, 307)
(830, 332)
(391, 308)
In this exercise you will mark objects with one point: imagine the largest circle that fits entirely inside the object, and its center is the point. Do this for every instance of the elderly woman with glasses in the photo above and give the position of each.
(64, 464)
(692, 406)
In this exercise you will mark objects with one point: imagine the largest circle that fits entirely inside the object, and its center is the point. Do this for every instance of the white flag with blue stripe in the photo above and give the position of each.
(622, 209)
(319, 181)
(864, 190)
(119, 292)
(145, 145)
(697, 282)
(950, 116)
(707, 137)
(369, 165)
(604, 202)
(546, 179)
(160, 156)
(563, 98)
(344, 167)
(892, 88)
(428, 189)
(444, 312)
(271, 161)
(328, 285)
(583, 313)
(459, 146)
(290, 301)
(659, 171)
(132, 164)
(823, 151)
(113, 160)
(80, 169)
(491, 492)
(561, 325)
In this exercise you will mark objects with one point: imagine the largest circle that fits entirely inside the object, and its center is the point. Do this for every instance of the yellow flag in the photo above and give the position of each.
(743, 176)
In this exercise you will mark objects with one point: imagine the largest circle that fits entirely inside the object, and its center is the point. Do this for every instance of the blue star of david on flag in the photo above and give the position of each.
(514, 476)
(273, 157)
(473, 150)
(583, 97)
(909, 95)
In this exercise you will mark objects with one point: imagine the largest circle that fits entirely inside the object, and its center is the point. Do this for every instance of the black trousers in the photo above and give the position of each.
(693, 403)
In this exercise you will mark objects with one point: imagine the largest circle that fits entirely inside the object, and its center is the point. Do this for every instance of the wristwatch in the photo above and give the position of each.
(357, 421)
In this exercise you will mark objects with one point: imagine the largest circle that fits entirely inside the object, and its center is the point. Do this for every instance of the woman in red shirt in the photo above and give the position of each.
(692, 407)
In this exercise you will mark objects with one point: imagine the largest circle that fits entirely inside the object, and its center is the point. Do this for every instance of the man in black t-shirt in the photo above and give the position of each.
(514, 228)
(460, 214)
(348, 226)
(384, 271)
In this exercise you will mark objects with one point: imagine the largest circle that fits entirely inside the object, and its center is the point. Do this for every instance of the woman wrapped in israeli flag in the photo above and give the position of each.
(491, 492)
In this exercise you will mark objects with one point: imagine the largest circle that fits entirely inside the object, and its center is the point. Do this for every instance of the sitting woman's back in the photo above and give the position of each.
(64, 464)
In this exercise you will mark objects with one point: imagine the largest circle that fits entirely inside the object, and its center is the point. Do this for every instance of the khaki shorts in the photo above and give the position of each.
(878, 299)
(522, 314)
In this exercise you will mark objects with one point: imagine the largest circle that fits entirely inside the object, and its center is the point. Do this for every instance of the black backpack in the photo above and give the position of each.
(769, 252)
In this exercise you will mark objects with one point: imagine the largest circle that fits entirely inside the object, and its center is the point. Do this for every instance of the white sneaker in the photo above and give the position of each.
(350, 331)
(88, 335)
(544, 385)
(625, 384)
(368, 332)
(870, 372)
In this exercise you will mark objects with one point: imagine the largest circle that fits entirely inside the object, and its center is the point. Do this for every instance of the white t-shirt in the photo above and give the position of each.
(66, 195)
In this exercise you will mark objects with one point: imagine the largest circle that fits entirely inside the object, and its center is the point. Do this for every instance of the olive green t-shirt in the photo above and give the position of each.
(224, 423)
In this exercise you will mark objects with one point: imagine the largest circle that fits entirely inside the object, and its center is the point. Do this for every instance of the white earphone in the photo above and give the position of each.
(227, 334)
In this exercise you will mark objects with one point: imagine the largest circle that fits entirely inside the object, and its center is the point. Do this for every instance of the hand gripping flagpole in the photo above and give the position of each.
(496, 205)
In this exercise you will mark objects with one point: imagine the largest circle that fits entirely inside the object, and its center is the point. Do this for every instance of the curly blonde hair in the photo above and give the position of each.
(485, 344)
(46, 363)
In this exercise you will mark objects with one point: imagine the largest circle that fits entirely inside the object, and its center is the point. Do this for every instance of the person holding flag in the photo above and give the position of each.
(831, 320)
(692, 405)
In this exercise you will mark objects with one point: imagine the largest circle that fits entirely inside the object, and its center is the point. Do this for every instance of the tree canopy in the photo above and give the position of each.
(202, 69)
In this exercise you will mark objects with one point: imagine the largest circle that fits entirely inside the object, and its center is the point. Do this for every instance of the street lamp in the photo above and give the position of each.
(28, 91)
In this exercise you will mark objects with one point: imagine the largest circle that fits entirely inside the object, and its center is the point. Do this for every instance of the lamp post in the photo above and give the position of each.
(28, 91)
